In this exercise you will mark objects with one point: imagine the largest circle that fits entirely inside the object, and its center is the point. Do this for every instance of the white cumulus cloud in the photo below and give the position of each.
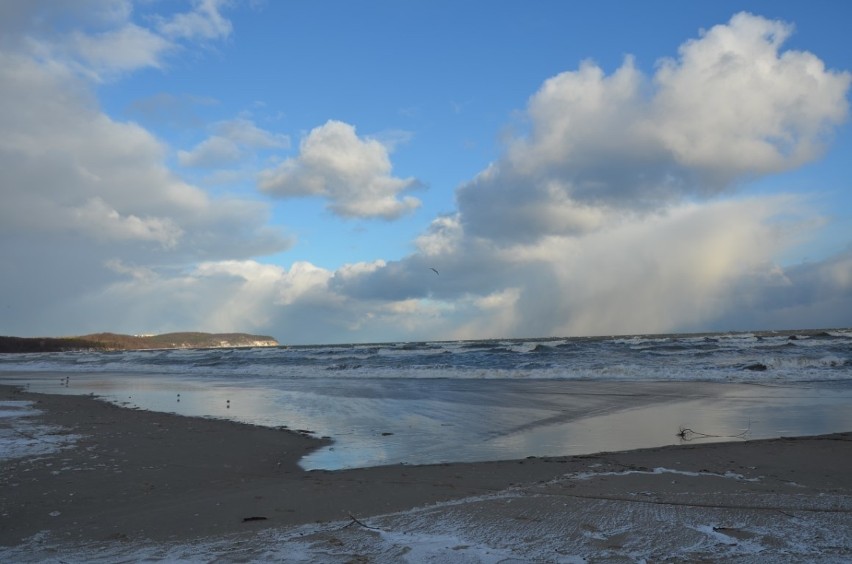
(733, 104)
(731, 107)
(232, 140)
(127, 48)
(87, 199)
(102, 221)
(354, 174)
(99, 38)
(204, 21)
(600, 218)
(615, 212)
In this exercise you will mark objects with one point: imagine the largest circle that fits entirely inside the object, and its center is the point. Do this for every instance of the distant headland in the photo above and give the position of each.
(115, 341)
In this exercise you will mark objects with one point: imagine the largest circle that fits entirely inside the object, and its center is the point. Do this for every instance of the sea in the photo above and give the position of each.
(496, 399)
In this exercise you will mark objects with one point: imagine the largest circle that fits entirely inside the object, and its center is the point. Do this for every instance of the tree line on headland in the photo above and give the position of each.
(114, 341)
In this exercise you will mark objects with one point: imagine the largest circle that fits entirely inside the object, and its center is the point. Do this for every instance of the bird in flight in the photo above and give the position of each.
(435, 271)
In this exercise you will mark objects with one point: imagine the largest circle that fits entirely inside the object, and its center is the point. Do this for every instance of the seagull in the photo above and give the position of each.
(435, 271)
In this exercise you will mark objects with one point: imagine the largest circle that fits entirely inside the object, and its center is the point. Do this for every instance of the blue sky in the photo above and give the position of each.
(295, 168)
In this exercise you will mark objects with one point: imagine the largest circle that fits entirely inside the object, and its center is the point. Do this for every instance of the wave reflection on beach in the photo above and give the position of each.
(422, 403)
(377, 422)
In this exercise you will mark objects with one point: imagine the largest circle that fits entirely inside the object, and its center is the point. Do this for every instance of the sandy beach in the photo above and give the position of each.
(135, 483)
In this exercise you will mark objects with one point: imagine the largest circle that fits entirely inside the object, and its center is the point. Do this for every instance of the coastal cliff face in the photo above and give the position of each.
(193, 340)
(115, 341)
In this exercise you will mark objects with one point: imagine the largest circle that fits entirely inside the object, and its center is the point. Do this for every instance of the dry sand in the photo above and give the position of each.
(139, 479)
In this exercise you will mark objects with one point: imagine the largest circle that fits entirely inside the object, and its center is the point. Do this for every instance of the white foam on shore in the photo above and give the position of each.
(509, 527)
(660, 470)
(12, 409)
(724, 536)
(20, 437)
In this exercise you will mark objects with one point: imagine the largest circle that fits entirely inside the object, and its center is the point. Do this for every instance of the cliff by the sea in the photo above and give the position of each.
(115, 341)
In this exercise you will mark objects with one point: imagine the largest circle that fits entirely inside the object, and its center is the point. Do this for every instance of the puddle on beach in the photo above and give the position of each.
(378, 422)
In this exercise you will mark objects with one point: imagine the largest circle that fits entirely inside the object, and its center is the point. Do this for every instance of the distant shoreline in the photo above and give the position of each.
(196, 340)
(119, 342)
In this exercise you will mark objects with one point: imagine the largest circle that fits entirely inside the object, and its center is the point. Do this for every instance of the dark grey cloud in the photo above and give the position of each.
(809, 295)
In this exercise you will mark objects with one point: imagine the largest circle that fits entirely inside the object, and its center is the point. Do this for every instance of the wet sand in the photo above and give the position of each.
(135, 477)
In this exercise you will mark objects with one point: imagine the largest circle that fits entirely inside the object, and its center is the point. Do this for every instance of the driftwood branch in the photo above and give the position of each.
(356, 521)
(687, 434)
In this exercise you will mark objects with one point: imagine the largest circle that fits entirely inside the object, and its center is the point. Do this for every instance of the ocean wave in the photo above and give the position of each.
(787, 356)
(799, 362)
